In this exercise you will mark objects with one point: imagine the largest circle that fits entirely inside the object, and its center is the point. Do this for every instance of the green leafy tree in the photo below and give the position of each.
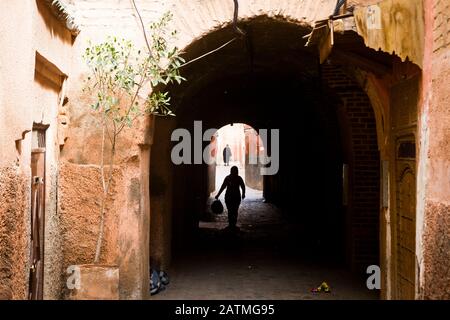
(122, 80)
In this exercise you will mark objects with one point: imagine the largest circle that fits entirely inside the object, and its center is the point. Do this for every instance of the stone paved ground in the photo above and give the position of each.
(262, 261)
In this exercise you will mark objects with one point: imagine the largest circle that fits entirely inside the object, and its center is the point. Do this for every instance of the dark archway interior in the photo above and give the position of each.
(268, 80)
(310, 152)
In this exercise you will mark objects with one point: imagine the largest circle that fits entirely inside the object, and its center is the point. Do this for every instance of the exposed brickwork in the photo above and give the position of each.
(192, 18)
(364, 167)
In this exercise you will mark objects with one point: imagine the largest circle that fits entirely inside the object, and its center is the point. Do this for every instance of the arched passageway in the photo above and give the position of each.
(320, 215)
(241, 146)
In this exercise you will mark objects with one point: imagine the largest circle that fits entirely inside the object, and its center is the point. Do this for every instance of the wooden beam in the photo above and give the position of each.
(326, 42)
(48, 70)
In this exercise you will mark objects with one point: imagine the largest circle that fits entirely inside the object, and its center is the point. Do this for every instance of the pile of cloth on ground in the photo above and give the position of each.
(158, 281)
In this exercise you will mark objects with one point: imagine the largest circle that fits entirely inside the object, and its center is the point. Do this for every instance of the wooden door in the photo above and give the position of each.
(37, 223)
(404, 101)
(406, 219)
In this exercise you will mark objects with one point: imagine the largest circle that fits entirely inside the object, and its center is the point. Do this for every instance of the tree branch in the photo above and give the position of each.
(143, 27)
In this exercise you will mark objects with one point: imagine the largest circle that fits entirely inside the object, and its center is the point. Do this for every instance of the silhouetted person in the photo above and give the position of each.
(226, 155)
(232, 182)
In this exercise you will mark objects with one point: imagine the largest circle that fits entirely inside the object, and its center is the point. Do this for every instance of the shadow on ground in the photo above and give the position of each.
(268, 258)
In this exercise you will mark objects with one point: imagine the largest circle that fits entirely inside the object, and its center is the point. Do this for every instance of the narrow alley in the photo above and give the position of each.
(267, 259)
(120, 119)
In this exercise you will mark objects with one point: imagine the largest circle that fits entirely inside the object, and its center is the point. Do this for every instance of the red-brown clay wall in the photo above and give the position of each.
(28, 95)
(436, 128)
(14, 231)
(253, 177)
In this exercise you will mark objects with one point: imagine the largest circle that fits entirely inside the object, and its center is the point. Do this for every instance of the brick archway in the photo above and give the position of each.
(275, 55)
(196, 19)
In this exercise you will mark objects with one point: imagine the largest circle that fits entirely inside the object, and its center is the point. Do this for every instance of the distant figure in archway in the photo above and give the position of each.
(232, 183)
(226, 155)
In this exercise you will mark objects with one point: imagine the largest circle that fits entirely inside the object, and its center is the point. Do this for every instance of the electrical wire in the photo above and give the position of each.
(208, 53)
(235, 19)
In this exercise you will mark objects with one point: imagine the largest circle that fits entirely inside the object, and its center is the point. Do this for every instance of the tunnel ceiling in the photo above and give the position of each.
(260, 77)
(261, 101)
(269, 47)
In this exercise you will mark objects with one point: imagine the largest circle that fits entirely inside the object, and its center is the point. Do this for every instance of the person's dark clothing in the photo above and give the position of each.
(233, 196)
(226, 155)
